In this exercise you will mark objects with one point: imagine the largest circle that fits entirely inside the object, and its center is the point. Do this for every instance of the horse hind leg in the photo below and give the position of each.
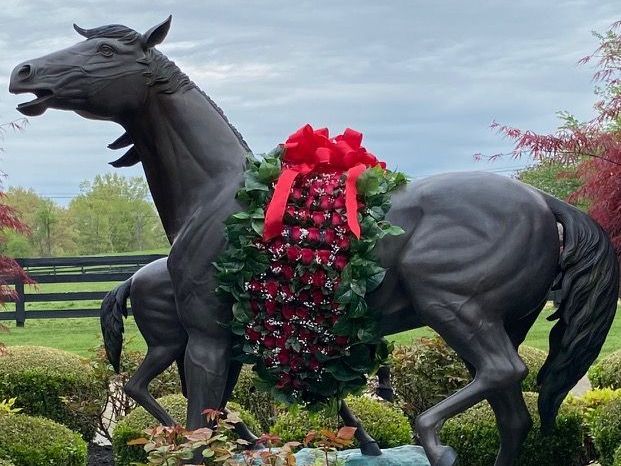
(158, 359)
(498, 367)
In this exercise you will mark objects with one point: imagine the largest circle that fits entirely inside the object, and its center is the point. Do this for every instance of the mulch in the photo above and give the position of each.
(99, 455)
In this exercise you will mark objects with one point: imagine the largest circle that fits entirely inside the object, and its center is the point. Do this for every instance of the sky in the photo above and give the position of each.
(421, 79)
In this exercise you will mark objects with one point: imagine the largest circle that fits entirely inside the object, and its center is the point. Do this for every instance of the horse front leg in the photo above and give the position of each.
(368, 445)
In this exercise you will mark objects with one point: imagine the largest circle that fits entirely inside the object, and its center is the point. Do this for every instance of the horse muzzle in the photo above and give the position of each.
(22, 82)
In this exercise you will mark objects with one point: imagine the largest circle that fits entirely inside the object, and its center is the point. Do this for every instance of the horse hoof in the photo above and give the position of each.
(385, 394)
(447, 458)
(370, 449)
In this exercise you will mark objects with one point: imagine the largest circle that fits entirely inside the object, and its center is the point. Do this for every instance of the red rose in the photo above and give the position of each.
(304, 297)
(288, 329)
(290, 211)
(302, 215)
(336, 219)
(319, 278)
(341, 340)
(302, 312)
(252, 334)
(329, 236)
(270, 307)
(254, 306)
(296, 233)
(318, 218)
(283, 357)
(323, 256)
(305, 334)
(296, 194)
(271, 287)
(269, 342)
(339, 202)
(307, 278)
(286, 271)
(288, 312)
(329, 187)
(284, 381)
(315, 188)
(340, 262)
(317, 297)
(313, 364)
(296, 383)
(309, 202)
(287, 292)
(307, 256)
(343, 243)
(314, 234)
(325, 203)
(296, 363)
(254, 285)
(293, 252)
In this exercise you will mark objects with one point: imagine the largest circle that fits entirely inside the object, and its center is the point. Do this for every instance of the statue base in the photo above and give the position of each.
(405, 455)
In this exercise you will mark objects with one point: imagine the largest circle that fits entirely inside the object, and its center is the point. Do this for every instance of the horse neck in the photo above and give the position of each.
(190, 154)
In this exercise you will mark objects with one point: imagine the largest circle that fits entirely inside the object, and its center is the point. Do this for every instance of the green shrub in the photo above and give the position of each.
(52, 383)
(589, 403)
(605, 429)
(607, 372)
(30, 441)
(6, 462)
(134, 424)
(427, 371)
(258, 402)
(617, 459)
(475, 437)
(382, 421)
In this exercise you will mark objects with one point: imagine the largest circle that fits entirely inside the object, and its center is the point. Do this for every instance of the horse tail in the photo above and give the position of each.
(589, 287)
(113, 309)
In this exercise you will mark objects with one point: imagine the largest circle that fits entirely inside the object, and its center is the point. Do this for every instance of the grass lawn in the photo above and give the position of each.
(81, 335)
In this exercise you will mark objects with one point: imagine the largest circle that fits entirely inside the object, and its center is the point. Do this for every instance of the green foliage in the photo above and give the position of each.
(385, 423)
(30, 441)
(258, 402)
(607, 371)
(54, 384)
(133, 425)
(558, 179)
(6, 462)
(605, 428)
(428, 370)
(113, 215)
(617, 458)
(475, 437)
(7, 407)
(590, 402)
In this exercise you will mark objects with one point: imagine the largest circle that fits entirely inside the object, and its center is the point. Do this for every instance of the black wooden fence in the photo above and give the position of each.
(70, 270)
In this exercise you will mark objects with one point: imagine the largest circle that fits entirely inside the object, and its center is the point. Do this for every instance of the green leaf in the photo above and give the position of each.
(359, 287)
(375, 280)
(252, 183)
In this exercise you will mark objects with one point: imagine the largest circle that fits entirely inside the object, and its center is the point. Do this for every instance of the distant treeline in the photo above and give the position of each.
(113, 214)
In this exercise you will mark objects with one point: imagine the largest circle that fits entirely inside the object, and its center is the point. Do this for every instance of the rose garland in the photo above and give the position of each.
(299, 275)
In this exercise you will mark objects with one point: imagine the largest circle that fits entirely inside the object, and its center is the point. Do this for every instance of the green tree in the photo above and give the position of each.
(113, 214)
(559, 179)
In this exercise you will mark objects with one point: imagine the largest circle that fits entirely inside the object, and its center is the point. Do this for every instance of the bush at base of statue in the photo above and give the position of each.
(617, 459)
(474, 436)
(32, 441)
(133, 425)
(54, 384)
(607, 372)
(426, 371)
(605, 429)
(383, 421)
(260, 403)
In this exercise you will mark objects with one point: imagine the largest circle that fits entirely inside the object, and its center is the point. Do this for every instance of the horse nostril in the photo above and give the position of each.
(24, 72)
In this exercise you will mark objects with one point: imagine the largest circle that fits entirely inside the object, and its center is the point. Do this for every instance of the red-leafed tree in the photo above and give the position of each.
(595, 144)
(9, 221)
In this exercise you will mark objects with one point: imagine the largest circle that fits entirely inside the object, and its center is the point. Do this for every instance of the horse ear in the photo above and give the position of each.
(156, 34)
(83, 32)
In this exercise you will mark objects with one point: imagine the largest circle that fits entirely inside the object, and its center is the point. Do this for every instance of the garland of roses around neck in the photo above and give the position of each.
(299, 276)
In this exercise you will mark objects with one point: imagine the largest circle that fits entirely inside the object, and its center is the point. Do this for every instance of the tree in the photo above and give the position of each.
(595, 145)
(113, 215)
(558, 179)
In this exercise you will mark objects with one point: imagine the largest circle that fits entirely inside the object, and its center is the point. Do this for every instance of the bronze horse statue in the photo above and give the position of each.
(478, 258)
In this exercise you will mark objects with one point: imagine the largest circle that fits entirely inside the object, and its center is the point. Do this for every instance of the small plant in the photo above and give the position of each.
(171, 446)
(281, 456)
(6, 407)
(329, 442)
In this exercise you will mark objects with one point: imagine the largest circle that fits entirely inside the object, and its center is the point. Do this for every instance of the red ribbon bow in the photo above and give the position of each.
(309, 150)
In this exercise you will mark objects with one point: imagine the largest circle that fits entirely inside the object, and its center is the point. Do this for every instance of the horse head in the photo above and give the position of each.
(105, 77)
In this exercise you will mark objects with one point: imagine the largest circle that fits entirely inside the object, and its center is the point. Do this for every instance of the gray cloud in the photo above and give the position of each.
(421, 79)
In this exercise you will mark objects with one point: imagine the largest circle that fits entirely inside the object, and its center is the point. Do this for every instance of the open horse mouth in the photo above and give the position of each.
(36, 106)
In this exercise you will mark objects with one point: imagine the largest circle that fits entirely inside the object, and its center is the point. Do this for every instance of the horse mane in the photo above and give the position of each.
(162, 73)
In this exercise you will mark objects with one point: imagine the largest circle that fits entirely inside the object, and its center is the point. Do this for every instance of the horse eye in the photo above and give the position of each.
(106, 50)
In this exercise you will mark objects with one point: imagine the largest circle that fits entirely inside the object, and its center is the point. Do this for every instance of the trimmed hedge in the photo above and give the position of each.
(55, 384)
(607, 372)
(617, 460)
(133, 425)
(428, 370)
(475, 437)
(6, 462)
(258, 402)
(605, 427)
(385, 423)
(30, 441)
